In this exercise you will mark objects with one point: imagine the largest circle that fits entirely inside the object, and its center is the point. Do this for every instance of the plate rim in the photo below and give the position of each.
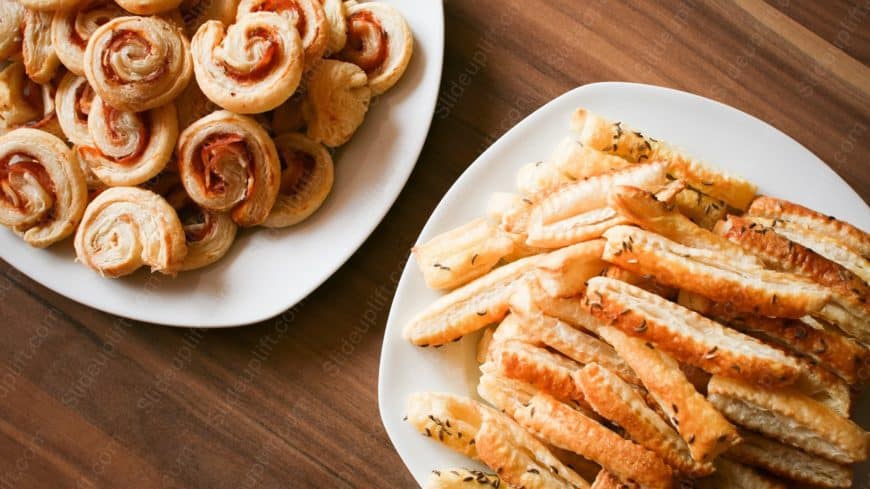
(265, 313)
(427, 230)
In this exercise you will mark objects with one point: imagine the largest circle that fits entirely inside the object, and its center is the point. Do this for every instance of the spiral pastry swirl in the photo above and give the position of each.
(138, 63)
(129, 147)
(73, 104)
(337, 25)
(125, 228)
(252, 66)
(11, 15)
(48, 5)
(307, 16)
(42, 193)
(24, 103)
(336, 103)
(38, 54)
(306, 179)
(71, 29)
(227, 162)
(380, 42)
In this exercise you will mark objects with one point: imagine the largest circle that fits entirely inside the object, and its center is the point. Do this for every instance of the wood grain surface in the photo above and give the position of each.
(91, 400)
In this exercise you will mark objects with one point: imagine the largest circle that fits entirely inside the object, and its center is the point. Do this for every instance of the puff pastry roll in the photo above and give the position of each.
(334, 10)
(789, 462)
(228, 163)
(125, 228)
(461, 479)
(11, 15)
(138, 63)
(380, 42)
(617, 401)
(686, 335)
(129, 148)
(619, 139)
(71, 29)
(306, 180)
(336, 103)
(460, 255)
(848, 309)
(73, 104)
(24, 103)
(702, 427)
(195, 13)
(251, 66)
(208, 234)
(790, 417)
(713, 275)
(38, 54)
(306, 16)
(579, 211)
(482, 433)
(43, 192)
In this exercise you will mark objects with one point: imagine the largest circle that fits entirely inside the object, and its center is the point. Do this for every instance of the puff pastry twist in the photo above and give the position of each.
(71, 29)
(307, 16)
(306, 180)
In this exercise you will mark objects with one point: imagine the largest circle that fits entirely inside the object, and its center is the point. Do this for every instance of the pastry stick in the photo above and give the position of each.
(700, 208)
(579, 212)
(530, 299)
(848, 309)
(686, 335)
(463, 254)
(606, 480)
(570, 161)
(549, 372)
(619, 139)
(567, 428)
(790, 417)
(617, 401)
(459, 478)
(564, 272)
(468, 308)
(706, 432)
(537, 328)
(482, 433)
(731, 474)
(789, 462)
(645, 282)
(643, 209)
(840, 231)
(509, 211)
(713, 274)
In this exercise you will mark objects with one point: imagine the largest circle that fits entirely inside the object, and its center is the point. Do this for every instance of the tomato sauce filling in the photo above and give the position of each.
(296, 166)
(23, 163)
(144, 133)
(119, 39)
(267, 62)
(214, 149)
(368, 55)
(83, 97)
(278, 6)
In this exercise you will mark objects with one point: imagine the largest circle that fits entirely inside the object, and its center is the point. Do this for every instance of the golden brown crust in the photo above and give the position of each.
(549, 372)
(471, 307)
(456, 257)
(700, 208)
(307, 175)
(37, 51)
(570, 161)
(567, 428)
(790, 417)
(686, 335)
(336, 102)
(450, 419)
(713, 274)
(730, 475)
(645, 282)
(706, 431)
(530, 299)
(458, 478)
(617, 401)
(780, 209)
(606, 480)
(789, 462)
(849, 293)
(640, 207)
(564, 272)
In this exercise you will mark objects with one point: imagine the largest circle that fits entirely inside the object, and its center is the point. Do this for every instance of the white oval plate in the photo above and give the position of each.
(266, 271)
(708, 130)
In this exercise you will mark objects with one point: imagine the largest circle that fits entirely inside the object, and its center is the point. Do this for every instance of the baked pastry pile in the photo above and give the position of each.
(153, 129)
(647, 321)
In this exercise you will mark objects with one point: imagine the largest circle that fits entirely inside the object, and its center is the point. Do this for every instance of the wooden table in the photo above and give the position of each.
(90, 400)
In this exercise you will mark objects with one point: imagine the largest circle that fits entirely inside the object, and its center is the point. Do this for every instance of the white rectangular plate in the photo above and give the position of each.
(268, 271)
(706, 129)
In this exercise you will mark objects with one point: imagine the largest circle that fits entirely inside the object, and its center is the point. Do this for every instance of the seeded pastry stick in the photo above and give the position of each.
(706, 432)
(485, 434)
(717, 276)
(570, 161)
(460, 255)
(561, 425)
(686, 335)
(459, 478)
(731, 475)
(790, 417)
(619, 139)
